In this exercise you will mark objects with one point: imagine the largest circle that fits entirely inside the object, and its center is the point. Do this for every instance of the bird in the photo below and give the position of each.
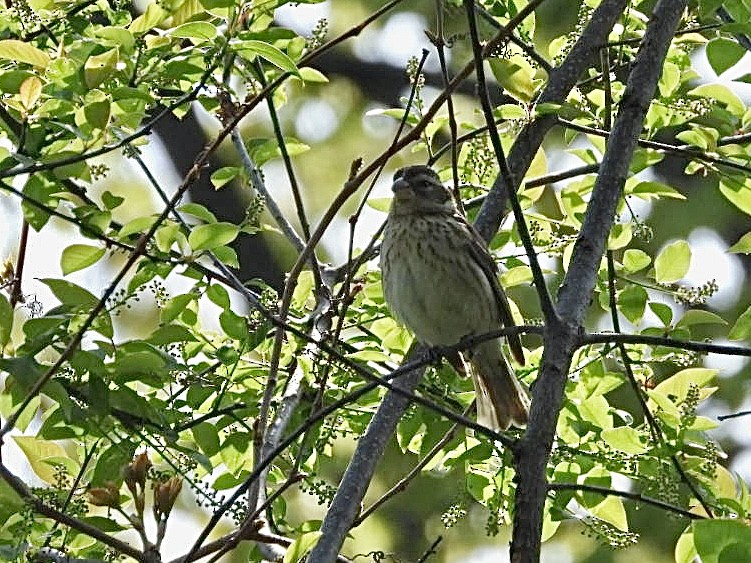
(440, 282)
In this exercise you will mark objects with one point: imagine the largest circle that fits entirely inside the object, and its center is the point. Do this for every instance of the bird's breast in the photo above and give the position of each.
(431, 282)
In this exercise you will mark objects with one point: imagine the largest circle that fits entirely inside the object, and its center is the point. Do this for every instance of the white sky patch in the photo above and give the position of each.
(400, 38)
(711, 261)
(337, 235)
(726, 364)
(316, 121)
(302, 18)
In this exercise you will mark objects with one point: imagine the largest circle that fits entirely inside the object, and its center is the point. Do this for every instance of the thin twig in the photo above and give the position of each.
(16, 292)
(402, 484)
(580, 487)
(256, 181)
(546, 302)
(40, 507)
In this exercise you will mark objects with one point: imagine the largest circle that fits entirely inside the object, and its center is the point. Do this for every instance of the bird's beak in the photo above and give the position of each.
(402, 190)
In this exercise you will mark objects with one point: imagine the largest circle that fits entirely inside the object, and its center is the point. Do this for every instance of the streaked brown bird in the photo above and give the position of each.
(441, 283)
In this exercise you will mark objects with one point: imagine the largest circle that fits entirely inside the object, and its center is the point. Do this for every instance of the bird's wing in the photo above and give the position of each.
(478, 250)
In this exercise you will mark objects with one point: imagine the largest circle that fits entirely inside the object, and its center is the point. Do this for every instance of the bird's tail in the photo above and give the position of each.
(501, 400)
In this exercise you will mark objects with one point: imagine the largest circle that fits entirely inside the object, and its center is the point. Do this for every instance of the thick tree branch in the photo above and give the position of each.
(347, 501)
(576, 292)
(561, 81)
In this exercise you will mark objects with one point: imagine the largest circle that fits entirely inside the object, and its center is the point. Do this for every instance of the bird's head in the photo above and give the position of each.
(417, 189)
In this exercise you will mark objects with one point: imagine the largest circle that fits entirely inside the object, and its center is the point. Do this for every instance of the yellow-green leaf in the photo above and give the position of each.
(309, 74)
(382, 204)
(301, 546)
(99, 68)
(743, 245)
(700, 317)
(267, 51)
(29, 92)
(21, 52)
(635, 260)
(624, 439)
(673, 262)
(146, 21)
(39, 452)
(515, 77)
(678, 384)
(206, 237)
(6, 321)
(611, 510)
(198, 31)
(79, 256)
(742, 328)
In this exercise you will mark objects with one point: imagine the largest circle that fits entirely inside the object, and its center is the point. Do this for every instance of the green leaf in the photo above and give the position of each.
(723, 53)
(146, 21)
(743, 245)
(206, 437)
(29, 92)
(71, 294)
(737, 190)
(263, 150)
(224, 175)
(111, 201)
(510, 111)
(620, 236)
(79, 256)
(43, 191)
(517, 275)
(99, 68)
(103, 523)
(218, 295)
(199, 31)
(655, 190)
(237, 452)
(206, 237)
(673, 262)
(169, 334)
(679, 383)
(369, 356)
(233, 325)
(742, 328)
(38, 452)
(396, 113)
(624, 439)
(611, 510)
(301, 546)
(80, 300)
(227, 256)
(635, 260)
(175, 306)
(515, 77)
(722, 540)
(309, 74)
(382, 204)
(663, 312)
(109, 466)
(6, 321)
(685, 552)
(632, 302)
(266, 51)
(699, 317)
(722, 94)
(136, 226)
(23, 52)
(10, 503)
(199, 211)
(670, 78)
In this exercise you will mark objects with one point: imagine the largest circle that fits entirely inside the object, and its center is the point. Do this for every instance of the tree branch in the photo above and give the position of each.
(576, 292)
